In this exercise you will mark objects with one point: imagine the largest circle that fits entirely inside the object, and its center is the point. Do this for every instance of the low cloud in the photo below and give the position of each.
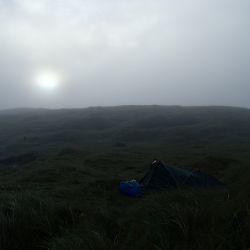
(125, 52)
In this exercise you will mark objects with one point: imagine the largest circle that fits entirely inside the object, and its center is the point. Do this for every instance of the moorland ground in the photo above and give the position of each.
(60, 171)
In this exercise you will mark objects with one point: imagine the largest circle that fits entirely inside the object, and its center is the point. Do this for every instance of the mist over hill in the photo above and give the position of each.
(147, 126)
(67, 174)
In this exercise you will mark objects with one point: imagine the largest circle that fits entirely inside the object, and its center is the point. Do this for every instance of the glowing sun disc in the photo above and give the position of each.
(47, 80)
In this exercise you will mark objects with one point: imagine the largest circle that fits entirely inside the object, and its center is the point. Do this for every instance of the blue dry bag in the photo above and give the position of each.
(130, 188)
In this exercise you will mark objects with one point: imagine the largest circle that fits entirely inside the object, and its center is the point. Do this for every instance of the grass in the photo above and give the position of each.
(27, 221)
(67, 196)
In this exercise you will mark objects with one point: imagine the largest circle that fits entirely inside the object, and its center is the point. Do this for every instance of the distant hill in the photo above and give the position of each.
(149, 126)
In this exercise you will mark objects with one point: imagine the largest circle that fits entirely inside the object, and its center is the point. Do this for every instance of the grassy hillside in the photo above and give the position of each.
(60, 169)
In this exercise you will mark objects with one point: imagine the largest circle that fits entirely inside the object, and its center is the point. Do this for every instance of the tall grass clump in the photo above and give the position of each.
(27, 222)
(186, 220)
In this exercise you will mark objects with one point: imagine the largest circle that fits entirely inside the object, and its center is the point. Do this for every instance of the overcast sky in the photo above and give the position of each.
(115, 52)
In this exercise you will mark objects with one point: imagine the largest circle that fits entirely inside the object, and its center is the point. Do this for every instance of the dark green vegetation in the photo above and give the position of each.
(59, 173)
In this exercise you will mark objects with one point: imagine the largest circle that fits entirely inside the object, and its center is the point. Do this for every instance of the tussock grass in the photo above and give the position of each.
(26, 221)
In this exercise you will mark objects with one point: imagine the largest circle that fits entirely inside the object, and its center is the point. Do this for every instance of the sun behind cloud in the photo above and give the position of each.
(47, 80)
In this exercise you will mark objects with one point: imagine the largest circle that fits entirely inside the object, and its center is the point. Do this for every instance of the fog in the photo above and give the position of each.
(124, 52)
